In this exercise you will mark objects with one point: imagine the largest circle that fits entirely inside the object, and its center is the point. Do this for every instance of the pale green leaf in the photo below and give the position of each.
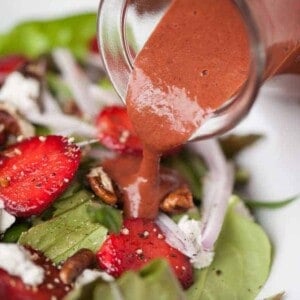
(69, 230)
(155, 281)
(241, 264)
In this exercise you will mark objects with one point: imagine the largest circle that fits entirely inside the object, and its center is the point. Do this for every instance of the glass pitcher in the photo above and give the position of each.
(273, 31)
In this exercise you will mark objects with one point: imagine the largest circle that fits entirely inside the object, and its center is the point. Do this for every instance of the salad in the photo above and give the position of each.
(63, 235)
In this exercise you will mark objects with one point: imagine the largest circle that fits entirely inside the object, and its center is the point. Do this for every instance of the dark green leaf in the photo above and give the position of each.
(74, 187)
(13, 233)
(111, 218)
(270, 204)
(42, 130)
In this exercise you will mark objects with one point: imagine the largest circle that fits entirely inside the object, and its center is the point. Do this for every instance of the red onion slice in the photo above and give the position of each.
(193, 238)
(104, 97)
(217, 189)
(77, 80)
(64, 125)
(186, 237)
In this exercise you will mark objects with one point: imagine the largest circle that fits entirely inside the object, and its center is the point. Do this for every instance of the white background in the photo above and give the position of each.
(274, 162)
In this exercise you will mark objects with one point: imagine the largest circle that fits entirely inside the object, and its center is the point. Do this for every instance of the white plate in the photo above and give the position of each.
(274, 163)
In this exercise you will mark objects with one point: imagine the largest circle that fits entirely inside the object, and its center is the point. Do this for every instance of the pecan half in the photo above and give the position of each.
(76, 264)
(102, 185)
(12, 124)
(36, 69)
(178, 201)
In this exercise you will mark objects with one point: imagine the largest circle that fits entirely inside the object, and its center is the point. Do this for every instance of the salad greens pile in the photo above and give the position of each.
(79, 220)
(37, 38)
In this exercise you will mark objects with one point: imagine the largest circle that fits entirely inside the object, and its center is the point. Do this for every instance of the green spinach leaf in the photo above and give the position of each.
(69, 230)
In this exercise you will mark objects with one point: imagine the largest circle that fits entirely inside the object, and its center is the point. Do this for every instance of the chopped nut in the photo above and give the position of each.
(71, 108)
(76, 264)
(102, 185)
(36, 69)
(12, 124)
(178, 201)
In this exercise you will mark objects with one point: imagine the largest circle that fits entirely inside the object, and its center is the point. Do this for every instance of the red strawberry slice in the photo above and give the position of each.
(35, 171)
(115, 130)
(13, 288)
(139, 242)
(9, 64)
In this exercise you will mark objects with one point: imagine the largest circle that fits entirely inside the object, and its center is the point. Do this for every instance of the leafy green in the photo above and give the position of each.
(41, 130)
(105, 83)
(111, 218)
(59, 88)
(240, 267)
(73, 188)
(69, 230)
(234, 144)
(155, 281)
(36, 38)
(270, 204)
(13, 233)
(241, 264)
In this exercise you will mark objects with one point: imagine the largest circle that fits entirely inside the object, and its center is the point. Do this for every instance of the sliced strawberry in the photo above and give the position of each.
(139, 242)
(9, 64)
(115, 130)
(35, 171)
(13, 288)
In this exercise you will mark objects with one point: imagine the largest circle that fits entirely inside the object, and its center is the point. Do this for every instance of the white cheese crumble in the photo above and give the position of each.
(21, 92)
(192, 230)
(187, 238)
(88, 276)
(15, 260)
(6, 219)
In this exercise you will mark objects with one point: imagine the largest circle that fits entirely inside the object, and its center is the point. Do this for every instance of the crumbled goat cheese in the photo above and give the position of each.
(21, 92)
(26, 128)
(15, 260)
(192, 230)
(90, 275)
(6, 219)
(187, 238)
